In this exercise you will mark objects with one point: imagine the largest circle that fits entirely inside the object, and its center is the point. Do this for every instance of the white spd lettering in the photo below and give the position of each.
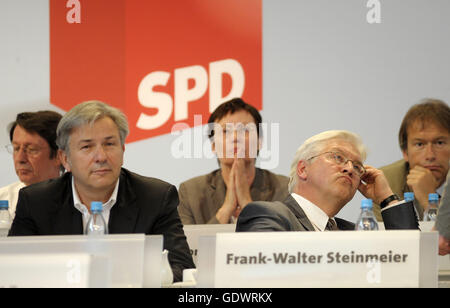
(183, 95)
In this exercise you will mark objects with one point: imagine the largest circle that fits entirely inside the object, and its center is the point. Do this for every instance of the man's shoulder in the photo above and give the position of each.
(274, 177)
(49, 186)
(400, 165)
(202, 180)
(396, 174)
(11, 187)
(135, 180)
(268, 208)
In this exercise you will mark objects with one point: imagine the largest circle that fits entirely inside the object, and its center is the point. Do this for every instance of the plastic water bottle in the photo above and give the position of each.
(366, 220)
(96, 224)
(5, 218)
(433, 206)
(408, 196)
(166, 270)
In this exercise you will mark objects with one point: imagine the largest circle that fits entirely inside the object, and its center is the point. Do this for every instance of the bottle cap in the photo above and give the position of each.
(408, 196)
(366, 204)
(4, 204)
(96, 206)
(433, 197)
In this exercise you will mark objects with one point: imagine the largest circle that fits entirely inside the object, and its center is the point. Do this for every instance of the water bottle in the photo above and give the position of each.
(408, 196)
(366, 220)
(96, 224)
(166, 270)
(5, 218)
(433, 206)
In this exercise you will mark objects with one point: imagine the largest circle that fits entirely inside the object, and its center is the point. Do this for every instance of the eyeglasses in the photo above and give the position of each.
(29, 150)
(341, 160)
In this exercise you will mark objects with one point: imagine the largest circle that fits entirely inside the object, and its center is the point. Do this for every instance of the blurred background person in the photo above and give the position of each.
(219, 197)
(424, 139)
(34, 150)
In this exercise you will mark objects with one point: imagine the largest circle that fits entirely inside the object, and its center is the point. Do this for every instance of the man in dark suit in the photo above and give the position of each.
(91, 139)
(325, 175)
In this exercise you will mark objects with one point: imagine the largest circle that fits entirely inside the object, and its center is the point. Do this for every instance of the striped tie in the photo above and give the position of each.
(331, 225)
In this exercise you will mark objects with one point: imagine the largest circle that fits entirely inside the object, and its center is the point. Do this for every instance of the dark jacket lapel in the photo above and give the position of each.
(124, 214)
(295, 208)
(66, 219)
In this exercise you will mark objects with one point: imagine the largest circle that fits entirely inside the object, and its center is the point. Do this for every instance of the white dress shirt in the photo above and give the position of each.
(316, 216)
(84, 210)
(11, 193)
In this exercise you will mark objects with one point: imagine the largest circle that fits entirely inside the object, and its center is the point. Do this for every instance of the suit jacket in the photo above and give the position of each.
(279, 216)
(396, 174)
(144, 205)
(201, 197)
(443, 219)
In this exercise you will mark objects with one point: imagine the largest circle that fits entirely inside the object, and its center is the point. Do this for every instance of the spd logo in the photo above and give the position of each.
(160, 61)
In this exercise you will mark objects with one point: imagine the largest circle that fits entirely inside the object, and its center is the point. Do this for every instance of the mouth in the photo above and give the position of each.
(433, 168)
(101, 172)
(347, 179)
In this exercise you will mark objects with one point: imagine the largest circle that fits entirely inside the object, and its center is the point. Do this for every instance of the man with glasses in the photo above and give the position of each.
(424, 139)
(325, 175)
(34, 151)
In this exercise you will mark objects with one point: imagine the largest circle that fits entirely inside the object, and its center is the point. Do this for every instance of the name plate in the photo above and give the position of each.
(194, 232)
(326, 259)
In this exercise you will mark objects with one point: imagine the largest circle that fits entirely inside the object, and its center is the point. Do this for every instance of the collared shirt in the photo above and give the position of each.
(84, 210)
(11, 193)
(316, 216)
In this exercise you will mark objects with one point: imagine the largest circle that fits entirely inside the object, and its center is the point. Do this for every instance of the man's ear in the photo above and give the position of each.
(301, 170)
(64, 160)
(405, 155)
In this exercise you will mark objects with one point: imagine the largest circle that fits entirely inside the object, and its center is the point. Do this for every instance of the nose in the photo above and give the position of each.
(21, 155)
(348, 168)
(100, 154)
(429, 152)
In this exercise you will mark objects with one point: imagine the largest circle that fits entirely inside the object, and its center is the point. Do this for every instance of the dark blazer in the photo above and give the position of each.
(279, 216)
(144, 205)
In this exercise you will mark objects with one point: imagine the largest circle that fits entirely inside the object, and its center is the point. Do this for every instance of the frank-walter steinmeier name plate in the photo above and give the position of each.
(327, 259)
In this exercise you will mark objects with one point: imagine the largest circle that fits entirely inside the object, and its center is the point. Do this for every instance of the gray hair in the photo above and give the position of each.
(88, 113)
(317, 143)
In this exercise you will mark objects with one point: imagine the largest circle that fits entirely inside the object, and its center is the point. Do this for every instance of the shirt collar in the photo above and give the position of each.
(316, 216)
(106, 206)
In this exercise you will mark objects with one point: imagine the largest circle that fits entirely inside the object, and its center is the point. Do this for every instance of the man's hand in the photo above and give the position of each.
(376, 185)
(230, 205)
(422, 182)
(242, 184)
(444, 246)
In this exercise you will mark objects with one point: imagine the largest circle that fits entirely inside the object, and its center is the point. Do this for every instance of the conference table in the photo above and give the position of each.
(226, 259)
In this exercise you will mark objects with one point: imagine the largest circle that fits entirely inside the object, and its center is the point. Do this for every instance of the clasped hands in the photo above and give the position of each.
(238, 192)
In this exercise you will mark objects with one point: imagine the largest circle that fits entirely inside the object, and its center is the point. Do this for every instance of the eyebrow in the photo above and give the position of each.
(346, 154)
(436, 138)
(91, 140)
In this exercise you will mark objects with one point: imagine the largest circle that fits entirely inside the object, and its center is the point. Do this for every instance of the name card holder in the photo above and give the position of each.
(319, 259)
(124, 252)
(194, 232)
(54, 271)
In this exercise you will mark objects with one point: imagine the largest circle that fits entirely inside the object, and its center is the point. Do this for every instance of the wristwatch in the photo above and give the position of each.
(386, 201)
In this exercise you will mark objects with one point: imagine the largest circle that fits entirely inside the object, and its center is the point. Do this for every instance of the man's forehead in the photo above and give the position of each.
(345, 147)
(422, 125)
(26, 137)
(240, 116)
(100, 129)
